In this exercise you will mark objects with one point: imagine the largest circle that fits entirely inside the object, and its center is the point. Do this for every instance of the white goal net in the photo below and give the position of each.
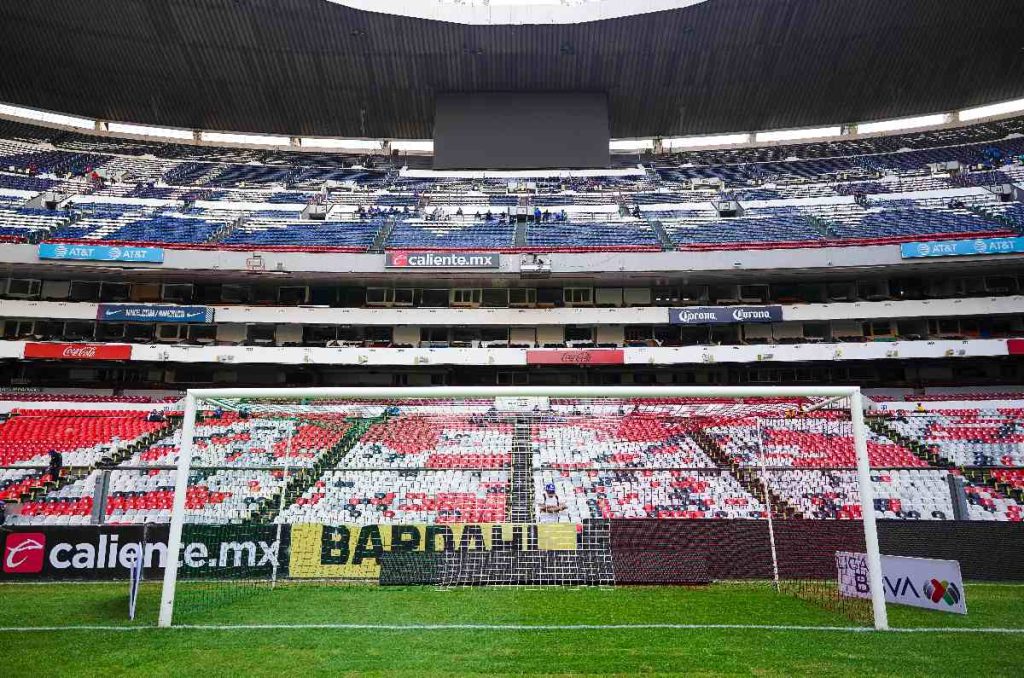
(318, 489)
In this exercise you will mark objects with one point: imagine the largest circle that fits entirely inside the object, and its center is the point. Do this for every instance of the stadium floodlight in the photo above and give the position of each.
(147, 131)
(1002, 108)
(500, 486)
(341, 144)
(798, 134)
(903, 123)
(704, 141)
(245, 139)
(46, 117)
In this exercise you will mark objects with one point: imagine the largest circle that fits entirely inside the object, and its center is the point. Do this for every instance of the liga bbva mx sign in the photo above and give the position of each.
(918, 582)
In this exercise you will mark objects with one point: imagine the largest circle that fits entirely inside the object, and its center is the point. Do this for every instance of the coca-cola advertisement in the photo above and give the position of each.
(78, 351)
(576, 356)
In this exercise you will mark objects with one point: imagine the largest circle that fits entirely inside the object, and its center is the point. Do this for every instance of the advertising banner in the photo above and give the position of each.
(442, 260)
(961, 248)
(111, 552)
(721, 315)
(78, 351)
(67, 252)
(917, 582)
(576, 356)
(1015, 346)
(354, 551)
(154, 313)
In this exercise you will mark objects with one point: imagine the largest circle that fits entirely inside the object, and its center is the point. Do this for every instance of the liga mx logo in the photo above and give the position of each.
(23, 553)
(937, 590)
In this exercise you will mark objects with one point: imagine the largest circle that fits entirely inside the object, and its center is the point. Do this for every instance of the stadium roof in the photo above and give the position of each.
(313, 67)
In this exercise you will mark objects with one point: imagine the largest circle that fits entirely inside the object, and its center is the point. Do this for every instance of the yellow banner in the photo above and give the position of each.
(353, 551)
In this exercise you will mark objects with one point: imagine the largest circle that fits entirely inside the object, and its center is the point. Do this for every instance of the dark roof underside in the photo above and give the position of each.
(313, 67)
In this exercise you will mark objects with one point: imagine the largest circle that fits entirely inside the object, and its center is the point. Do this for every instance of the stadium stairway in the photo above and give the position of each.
(975, 475)
(307, 477)
(519, 239)
(381, 237)
(746, 476)
(520, 498)
(984, 213)
(663, 237)
(226, 230)
(823, 226)
(73, 474)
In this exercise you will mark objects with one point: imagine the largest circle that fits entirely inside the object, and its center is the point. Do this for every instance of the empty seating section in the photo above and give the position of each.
(223, 496)
(981, 438)
(138, 223)
(907, 494)
(1012, 477)
(403, 496)
(803, 443)
(617, 235)
(897, 223)
(782, 225)
(15, 482)
(32, 396)
(82, 437)
(354, 236)
(259, 449)
(23, 224)
(631, 441)
(425, 442)
(662, 494)
(457, 235)
(984, 503)
(257, 441)
(772, 184)
(431, 463)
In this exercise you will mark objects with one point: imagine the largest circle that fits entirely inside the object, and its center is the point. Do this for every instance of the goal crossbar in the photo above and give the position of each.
(194, 397)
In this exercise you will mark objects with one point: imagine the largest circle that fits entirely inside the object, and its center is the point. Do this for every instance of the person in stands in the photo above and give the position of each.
(55, 465)
(550, 502)
(920, 408)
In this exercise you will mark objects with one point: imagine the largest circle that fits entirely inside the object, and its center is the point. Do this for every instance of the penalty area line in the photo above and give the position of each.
(511, 627)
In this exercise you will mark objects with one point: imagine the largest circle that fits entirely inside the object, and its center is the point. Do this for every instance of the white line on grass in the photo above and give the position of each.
(509, 627)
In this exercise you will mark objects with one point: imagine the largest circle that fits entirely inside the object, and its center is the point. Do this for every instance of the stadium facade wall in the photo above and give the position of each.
(594, 262)
(516, 317)
(516, 357)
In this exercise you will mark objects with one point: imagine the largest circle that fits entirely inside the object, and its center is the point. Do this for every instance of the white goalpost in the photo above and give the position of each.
(359, 418)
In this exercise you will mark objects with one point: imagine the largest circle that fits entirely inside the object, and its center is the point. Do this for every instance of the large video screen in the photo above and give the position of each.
(512, 130)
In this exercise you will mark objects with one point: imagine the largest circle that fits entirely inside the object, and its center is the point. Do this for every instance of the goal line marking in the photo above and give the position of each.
(510, 627)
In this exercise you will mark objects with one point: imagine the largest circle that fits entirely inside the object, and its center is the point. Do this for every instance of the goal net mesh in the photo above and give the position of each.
(526, 493)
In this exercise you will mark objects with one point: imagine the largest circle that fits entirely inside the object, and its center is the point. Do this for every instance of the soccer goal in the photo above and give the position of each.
(321, 489)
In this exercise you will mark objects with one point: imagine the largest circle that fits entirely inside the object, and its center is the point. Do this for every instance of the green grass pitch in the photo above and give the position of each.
(209, 652)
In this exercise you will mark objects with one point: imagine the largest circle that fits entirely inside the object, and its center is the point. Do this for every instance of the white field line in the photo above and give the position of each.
(509, 627)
